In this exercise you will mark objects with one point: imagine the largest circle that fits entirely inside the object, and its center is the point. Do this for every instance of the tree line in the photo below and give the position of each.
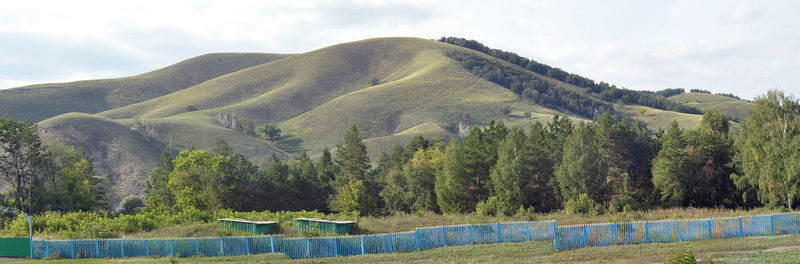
(608, 92)
(611, 164)
(46, 176)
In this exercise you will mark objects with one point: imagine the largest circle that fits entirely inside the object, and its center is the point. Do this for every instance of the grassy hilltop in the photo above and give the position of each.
(391, 88)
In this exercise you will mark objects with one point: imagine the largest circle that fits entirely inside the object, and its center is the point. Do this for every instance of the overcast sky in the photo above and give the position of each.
(740, 47)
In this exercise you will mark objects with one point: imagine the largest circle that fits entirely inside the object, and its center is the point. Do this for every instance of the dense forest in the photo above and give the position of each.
(607, 92)
(584, 167)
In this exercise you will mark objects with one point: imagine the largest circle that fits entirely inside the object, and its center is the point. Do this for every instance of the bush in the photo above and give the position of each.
(582, 205)
(131, 204)
(682, 258)
(527, 214)
(489, 207)
(190, 108)
(505, 109)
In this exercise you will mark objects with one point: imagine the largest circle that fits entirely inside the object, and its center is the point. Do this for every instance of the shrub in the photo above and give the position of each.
(190, 108)
(682, 258)
(131, 204)
(582, 205)
(505, 109)
(489, 207)
(527, 214)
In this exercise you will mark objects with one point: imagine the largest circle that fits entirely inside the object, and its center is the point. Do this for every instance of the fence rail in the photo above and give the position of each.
(316, 247)
(563, 237)
(578, 236)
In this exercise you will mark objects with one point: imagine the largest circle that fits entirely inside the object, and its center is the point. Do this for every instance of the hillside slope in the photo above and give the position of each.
(391, 88)
(119, 154)
(39, 102)
(707, 102)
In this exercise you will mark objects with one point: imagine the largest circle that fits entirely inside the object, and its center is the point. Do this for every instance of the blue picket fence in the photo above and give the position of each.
(578, 236)
(317, 247)
(563, 237)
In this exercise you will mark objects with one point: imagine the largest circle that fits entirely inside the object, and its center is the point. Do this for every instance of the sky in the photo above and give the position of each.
(739, 47)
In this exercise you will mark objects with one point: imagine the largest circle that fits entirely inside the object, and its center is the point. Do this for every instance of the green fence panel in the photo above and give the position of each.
(15, 247)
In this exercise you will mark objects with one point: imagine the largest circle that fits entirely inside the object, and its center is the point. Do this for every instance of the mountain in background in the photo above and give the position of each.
(392, 88)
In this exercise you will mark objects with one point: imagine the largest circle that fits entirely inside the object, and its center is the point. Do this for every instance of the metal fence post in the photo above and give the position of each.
(527, 232)
(741, 227)
(171, 247)
(197, 246)
(709, 229)
(444, 236)
(335, 247)
(272, 244)
(555, 237)
(616, 234)
(363, 252)
(585, 236)
(772, 224)
(308, 247)
(391, 249)
(679, 229)
(416, 235)
(647, 231)
(46, 250)
(471, 235)
(97, 248)
(221, 248)
(247, 245)
(499, 234)
(122, 247)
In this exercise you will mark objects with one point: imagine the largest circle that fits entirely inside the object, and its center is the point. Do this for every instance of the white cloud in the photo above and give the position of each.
(744, 47)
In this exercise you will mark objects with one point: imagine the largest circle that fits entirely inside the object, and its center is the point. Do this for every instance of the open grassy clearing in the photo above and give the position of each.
(778, 249)
(706, 102)
(656, 118)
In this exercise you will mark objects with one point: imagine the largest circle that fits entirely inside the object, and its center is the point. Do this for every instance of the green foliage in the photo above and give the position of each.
(452, 184)
(269, 131)
(583, 204)
(674, 169)
(581, 170)
(352, 199)
(769, 141)
(490, 207)
(609, 93)
(131, 204)
(505, 109)
(513, 176)
(23, 158)
(351, 156)
(682, 258)
(156, 189)
(374, 81)
(203, 181)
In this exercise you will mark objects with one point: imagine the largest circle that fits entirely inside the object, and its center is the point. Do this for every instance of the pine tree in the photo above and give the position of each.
(453, 182)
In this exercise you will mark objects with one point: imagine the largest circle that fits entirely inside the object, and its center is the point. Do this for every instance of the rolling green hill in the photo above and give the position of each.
(391, 88)
(39, 102)
(706, 102)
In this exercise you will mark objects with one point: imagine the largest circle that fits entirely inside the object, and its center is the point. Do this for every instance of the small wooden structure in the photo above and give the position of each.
(249, 226)
(325, 225)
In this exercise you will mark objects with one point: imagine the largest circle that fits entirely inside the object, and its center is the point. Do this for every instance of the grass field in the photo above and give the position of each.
(703, 101)
(778, 249)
